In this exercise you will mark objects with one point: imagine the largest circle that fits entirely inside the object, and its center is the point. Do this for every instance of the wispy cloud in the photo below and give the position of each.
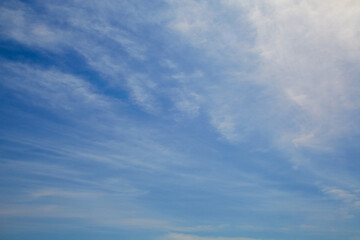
(181, 117)
(309, 61)
(51, 88)
(179, 236)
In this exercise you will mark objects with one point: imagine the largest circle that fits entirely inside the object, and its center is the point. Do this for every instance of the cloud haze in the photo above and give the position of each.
(198, 120)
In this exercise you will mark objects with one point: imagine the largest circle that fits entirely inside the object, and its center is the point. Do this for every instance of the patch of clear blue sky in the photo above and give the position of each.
(115, 126)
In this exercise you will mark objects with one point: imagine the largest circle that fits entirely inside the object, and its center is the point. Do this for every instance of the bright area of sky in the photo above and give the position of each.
(180, 120)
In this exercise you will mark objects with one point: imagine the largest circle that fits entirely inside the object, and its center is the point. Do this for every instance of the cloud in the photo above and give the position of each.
(295, 71)
(51, 88)
(141, 89)
(23, 25)
(307, 50)
(307, 58)
(91, 31)
(180, 236)
(213, 27)
(289, 77)
(261, 74)
(341, 194)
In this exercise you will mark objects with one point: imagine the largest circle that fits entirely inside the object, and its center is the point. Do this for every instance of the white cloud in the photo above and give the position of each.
(21, 24)
(186, 98)
(348, 198)
(59, 193)
(308, 53)
(142, 90)
(225, 125)
(302, 94)
(91, 30)
(180, 236)
(341, 194)
(303, 140)
(308, 59)
(51, 88)
(212, 26)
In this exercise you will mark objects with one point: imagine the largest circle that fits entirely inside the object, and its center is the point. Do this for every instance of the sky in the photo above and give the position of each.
(180, 120)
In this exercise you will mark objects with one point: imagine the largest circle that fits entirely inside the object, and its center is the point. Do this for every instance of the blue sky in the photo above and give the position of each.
(180, 120)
